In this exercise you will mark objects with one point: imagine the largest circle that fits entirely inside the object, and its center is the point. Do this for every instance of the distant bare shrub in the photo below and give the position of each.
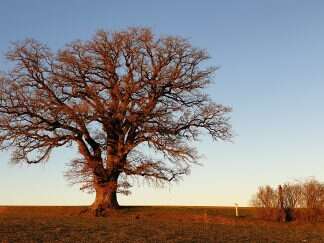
(292, 201)
(312, 200)
(266, 197)
(292, 195)
(266, 200)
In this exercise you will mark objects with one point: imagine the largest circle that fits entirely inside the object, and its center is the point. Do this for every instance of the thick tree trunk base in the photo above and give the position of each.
(102, 210)
(105, 201)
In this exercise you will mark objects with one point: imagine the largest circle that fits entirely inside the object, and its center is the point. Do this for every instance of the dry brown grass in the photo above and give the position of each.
(148, 224)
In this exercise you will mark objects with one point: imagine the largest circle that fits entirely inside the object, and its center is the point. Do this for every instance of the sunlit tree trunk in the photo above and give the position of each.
(106, 184)
(106, 196)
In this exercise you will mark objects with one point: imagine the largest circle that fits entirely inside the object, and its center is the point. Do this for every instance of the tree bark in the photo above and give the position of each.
(106, 197)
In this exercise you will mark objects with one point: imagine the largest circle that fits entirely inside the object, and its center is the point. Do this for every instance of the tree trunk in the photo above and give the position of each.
(106, 197)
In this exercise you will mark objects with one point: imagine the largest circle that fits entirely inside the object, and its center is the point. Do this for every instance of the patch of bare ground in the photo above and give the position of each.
(148, 224)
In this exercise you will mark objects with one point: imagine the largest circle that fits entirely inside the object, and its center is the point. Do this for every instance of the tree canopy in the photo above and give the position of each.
(110, 96)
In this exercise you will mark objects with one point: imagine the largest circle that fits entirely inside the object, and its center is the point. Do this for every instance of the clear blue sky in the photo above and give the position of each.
(271, 55)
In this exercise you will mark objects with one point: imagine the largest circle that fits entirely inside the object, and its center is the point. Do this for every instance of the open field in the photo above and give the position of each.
(148, 224)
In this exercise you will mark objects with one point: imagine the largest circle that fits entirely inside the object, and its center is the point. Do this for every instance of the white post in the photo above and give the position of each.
(236, 210)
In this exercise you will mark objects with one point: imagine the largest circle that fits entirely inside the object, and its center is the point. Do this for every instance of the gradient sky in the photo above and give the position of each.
(271, 59)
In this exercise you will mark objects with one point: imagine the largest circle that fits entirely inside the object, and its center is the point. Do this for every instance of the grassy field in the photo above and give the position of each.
(148, 224)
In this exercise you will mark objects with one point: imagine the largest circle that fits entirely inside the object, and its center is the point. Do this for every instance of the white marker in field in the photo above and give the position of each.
(236, 210)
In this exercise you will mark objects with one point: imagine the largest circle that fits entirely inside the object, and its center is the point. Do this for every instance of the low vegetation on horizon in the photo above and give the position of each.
(299, 200)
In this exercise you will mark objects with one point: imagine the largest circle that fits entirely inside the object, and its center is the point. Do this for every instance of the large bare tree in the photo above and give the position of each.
(116, 97)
